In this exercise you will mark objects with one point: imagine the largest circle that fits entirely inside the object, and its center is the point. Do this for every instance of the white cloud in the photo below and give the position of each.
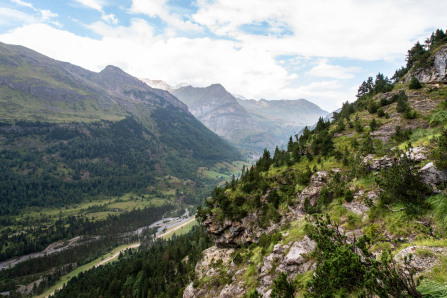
(160, 8)
(109, 18)
(323, 69)
(99, 6)
(10, 17)
(200, 61)
(247, 64)
(23, 3)
(329, 95)
(346, 28)
(47, 14)
(93, 4)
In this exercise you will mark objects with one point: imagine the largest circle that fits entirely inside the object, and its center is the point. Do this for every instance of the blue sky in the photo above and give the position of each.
(320, 50)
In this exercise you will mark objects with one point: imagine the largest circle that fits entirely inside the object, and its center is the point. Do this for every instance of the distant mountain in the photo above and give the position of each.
(299, 112)
(283, 118)
(71, 133)
(249, 124)
(221, 112)
(158, 84)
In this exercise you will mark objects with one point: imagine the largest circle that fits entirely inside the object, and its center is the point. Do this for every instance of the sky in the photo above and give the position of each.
(320, 50)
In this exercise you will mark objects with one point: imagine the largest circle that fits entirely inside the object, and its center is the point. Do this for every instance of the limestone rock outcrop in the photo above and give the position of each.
(234, 233)
(373, 164)
(432, 175)
(312, 192)
(437, 72)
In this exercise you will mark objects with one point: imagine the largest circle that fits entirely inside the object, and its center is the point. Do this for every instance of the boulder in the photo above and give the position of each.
(203, 267)
(234, 233)
(416, 154)
(373, 164)
(432, 175)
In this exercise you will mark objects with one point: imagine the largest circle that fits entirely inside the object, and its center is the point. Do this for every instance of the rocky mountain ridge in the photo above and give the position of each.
(249, 124)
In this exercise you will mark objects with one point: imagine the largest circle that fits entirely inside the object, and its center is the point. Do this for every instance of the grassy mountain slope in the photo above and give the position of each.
(386, 216)
(95, 144)
(377, 171)
(75, 128)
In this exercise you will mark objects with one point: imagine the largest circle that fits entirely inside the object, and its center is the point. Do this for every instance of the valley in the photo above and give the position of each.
(91, 162)
(112, 186)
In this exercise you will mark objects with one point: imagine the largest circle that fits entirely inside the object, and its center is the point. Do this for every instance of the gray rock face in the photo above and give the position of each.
(312, 192)
(373, 164)
(437, 73)
(432, 175)
(291, 259)
(217, 109)
(417, 154)
(234, 233)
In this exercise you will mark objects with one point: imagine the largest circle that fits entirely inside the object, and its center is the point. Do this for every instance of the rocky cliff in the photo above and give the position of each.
(436, 72)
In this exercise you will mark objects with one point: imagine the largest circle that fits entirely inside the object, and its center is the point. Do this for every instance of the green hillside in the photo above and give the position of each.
(354, 208)
(83, 141)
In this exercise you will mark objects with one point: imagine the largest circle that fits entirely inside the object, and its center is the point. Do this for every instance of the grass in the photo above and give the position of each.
(113, 206)
(296, 232)
(181, 231)
(432, 289)
(439, 273)
(366, 182)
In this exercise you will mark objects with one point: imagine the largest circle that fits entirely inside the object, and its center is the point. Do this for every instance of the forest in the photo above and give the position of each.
(164, 269)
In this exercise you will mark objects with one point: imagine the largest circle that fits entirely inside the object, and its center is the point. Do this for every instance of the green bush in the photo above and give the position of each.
(282, 287)
(439, 153)
(415, 84)
(402, 184)
(402, 102)
(373, 124)
(409, 113)
(349, 196)
(346, 267)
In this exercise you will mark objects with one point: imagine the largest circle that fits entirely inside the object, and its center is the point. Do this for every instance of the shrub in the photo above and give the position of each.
(402, 183)
(401, 135)
(402, 102)
(439, 153)
(409, 113)
(372, 107)
(282, 287)
(380, 113)
(358, 127)
(349, 196)
(347, 267)
(415, 84)
(373, 124)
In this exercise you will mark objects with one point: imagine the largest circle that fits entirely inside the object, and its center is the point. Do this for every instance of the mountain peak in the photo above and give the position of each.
(217, 87)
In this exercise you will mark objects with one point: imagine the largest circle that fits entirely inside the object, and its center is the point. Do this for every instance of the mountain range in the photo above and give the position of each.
(249, 124)
(83, 133)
